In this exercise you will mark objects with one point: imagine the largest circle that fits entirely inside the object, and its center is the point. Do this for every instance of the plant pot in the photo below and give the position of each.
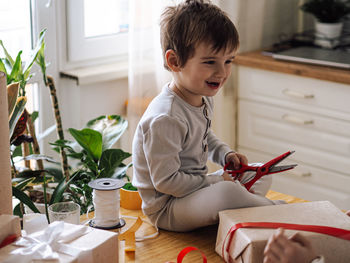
(327, 34)
(130, 199)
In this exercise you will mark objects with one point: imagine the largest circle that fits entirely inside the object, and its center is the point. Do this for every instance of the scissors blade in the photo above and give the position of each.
(277, 169)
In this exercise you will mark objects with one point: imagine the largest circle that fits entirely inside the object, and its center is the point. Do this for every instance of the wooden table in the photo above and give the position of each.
(166, 246)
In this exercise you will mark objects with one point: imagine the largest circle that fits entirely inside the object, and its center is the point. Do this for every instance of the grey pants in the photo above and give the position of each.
(201, 208)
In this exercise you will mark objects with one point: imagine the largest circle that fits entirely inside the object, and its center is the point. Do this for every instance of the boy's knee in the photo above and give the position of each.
(227, 187)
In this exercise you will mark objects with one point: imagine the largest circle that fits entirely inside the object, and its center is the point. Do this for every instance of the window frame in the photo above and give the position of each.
(80, 48)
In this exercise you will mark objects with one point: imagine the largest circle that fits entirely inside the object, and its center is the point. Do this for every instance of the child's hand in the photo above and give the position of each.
(227, 176)
(236, 159)
(296, 249)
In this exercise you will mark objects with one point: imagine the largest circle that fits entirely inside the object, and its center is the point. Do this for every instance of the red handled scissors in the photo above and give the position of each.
(268, 168)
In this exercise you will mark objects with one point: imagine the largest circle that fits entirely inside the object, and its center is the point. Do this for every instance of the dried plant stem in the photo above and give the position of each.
(51, 86)
(25, 151)
(36, 148)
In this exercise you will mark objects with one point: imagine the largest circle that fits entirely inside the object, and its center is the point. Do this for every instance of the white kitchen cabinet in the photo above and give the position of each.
(278, 112)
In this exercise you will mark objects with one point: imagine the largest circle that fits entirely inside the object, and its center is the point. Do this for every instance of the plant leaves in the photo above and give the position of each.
(34, 54)
(16, 114)
(24, 183)
(21, 196)
(8, 56)
(89, 140)
(20, 127)
(120, 172)
(17, 211)
(57, 195)
(16, 71)
(111, 127)
(12, 94)
(38, 157)
(2, 66)
(110, 160)
(34, 116)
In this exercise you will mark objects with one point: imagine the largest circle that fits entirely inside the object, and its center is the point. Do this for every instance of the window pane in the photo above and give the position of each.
(105, 17)
(15, 27)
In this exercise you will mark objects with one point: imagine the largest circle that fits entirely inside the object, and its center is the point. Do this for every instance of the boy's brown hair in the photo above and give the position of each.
(183, 26)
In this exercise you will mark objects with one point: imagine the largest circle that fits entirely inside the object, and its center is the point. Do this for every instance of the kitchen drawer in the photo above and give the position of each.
(307, 182)
(318, 141)
(313, 95)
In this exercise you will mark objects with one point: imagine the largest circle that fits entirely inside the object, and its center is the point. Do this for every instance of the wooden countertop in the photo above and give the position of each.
(166, 246)
(256, 60)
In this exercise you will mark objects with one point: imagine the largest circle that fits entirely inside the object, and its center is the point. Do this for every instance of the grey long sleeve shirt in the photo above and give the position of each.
(172, 143)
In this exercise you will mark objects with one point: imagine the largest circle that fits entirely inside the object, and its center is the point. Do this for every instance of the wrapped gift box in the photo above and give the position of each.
(248, 244)
(90, 245)
(9, 225)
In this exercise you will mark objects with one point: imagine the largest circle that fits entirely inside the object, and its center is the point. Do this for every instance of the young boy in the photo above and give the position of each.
(173, 139)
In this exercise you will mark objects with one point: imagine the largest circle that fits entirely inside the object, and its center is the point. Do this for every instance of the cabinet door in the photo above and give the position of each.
(307, 182)
(318, 141)
(306, 94)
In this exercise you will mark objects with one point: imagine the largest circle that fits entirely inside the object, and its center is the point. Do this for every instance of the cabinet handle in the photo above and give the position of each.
(296, 94)
(296, 120)
(300, 174)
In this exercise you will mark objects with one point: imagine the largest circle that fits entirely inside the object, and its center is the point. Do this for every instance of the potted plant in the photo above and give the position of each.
(328, 19)
(96, 156)
(130, 197)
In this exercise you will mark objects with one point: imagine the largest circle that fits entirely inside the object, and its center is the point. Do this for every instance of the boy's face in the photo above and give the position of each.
(204, 73)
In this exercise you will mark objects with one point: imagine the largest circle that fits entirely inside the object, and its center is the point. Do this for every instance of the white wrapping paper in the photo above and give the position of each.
(64, 243)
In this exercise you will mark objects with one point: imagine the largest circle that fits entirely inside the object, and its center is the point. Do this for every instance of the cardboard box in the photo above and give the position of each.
(9, 225)
(97, 246)
(248, 243)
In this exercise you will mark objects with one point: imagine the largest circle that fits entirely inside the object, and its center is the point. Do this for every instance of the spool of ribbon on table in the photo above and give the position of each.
(106, 200)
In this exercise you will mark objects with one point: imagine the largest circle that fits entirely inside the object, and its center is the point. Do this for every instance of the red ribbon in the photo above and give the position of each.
(327, 230)
(185, 251)
(8, 240)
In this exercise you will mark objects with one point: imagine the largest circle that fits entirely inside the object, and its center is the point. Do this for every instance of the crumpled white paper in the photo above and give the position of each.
(45, 245)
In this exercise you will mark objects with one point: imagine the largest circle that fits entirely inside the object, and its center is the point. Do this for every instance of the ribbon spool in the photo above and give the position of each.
(105, 197)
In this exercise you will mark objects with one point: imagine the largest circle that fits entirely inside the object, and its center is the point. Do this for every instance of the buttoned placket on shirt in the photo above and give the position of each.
(205, 113)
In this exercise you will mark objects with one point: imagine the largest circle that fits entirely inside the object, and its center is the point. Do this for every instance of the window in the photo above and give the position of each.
(97, 29)
(15, 29)
(15, 33)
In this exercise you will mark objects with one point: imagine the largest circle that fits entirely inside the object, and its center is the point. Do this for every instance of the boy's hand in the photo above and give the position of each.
(236, 159)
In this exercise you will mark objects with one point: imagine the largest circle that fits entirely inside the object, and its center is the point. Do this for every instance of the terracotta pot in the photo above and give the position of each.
(130, 199)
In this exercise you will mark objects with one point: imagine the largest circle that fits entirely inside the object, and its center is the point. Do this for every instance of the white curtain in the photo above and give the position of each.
(146, 72)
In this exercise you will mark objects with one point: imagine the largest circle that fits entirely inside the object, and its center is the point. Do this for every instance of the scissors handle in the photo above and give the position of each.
(243, 168)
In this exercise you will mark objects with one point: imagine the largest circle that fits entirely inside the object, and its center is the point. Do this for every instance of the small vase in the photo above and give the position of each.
(130, 199)
(327, 34)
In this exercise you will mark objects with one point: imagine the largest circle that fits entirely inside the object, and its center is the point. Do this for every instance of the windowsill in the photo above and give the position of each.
(94, 74)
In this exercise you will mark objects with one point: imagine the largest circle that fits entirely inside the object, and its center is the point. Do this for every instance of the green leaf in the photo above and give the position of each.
(3, 67)
(16, 71)
(38, 157)
(16, 114)
(17, 211)
(24, 199)
(34, 54)
(89, 140)
(34, 115)
(110, 160)
(57, 195)
(24, 183)
(111, 127)
(8, 56)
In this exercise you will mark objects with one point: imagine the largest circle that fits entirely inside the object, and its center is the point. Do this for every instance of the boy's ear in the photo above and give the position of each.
(172, 60)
